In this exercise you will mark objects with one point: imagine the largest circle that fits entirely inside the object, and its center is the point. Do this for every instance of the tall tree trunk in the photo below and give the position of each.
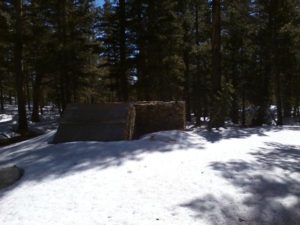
(28, 94)
(235, 97)
(243, 107)
(216, 113)
(265, 64)
(235, 109)
(62, 91)
(75, 86)
(275, 57)
(216, 45)
(288, 96)
(278, 100)
(261, 115)
(58, 98)
(296, 108)
(1, 96)
(187, 87)
(63, 80)
(143, 91)
(19, 76)
(10, 98)
(197, 80)
(36, 97)
(123, 71)
(42, 103)
(287, 109)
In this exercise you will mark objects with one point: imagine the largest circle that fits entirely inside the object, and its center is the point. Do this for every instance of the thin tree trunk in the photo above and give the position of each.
(75, 86)
(63, 58)
(276, 61)
(287, 108)
(187, 87)
(123, 72)
(197, 83)
(296, 108)
(235, 97)
(36, 97)
(28, 94)
(1, 96)
(235, 109)
(58, 96)
(42, 110)
(279, 100)
(216, 45)
(243, 107)
(216, 119)
(261, 115)
(144, 92)
(42, 102)
(62, 91)
(19, 76)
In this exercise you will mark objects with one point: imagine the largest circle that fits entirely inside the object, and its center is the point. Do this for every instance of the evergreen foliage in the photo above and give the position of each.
(224, 58)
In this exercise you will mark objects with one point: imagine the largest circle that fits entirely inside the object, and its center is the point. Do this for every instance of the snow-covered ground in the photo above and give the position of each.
(228, 177)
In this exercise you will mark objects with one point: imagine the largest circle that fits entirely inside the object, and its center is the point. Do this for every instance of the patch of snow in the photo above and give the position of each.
(228, 176)
(5, 118)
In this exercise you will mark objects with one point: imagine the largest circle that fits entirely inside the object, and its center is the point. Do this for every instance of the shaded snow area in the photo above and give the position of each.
(228, 177)
(8, 121)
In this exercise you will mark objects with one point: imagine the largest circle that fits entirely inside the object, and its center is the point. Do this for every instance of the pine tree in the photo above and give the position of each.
(39, 54)
(188, 45)
(163, 35)
(4, 51)
(19, 75)
(113, 35)
(216, 113)
(202, 59)
(69, 51)
(236, 51)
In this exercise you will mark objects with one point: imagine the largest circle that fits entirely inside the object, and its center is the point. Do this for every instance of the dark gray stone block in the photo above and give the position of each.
(98, 122)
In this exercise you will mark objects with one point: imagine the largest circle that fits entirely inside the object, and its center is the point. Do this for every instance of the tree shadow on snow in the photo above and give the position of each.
(270, 186)
(43, 161)
(235, 132)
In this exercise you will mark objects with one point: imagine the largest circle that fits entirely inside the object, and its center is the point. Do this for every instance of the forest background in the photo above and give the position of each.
(223, 58)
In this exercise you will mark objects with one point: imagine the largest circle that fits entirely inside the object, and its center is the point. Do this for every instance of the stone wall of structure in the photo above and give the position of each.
(158, 116)
(97, 122)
